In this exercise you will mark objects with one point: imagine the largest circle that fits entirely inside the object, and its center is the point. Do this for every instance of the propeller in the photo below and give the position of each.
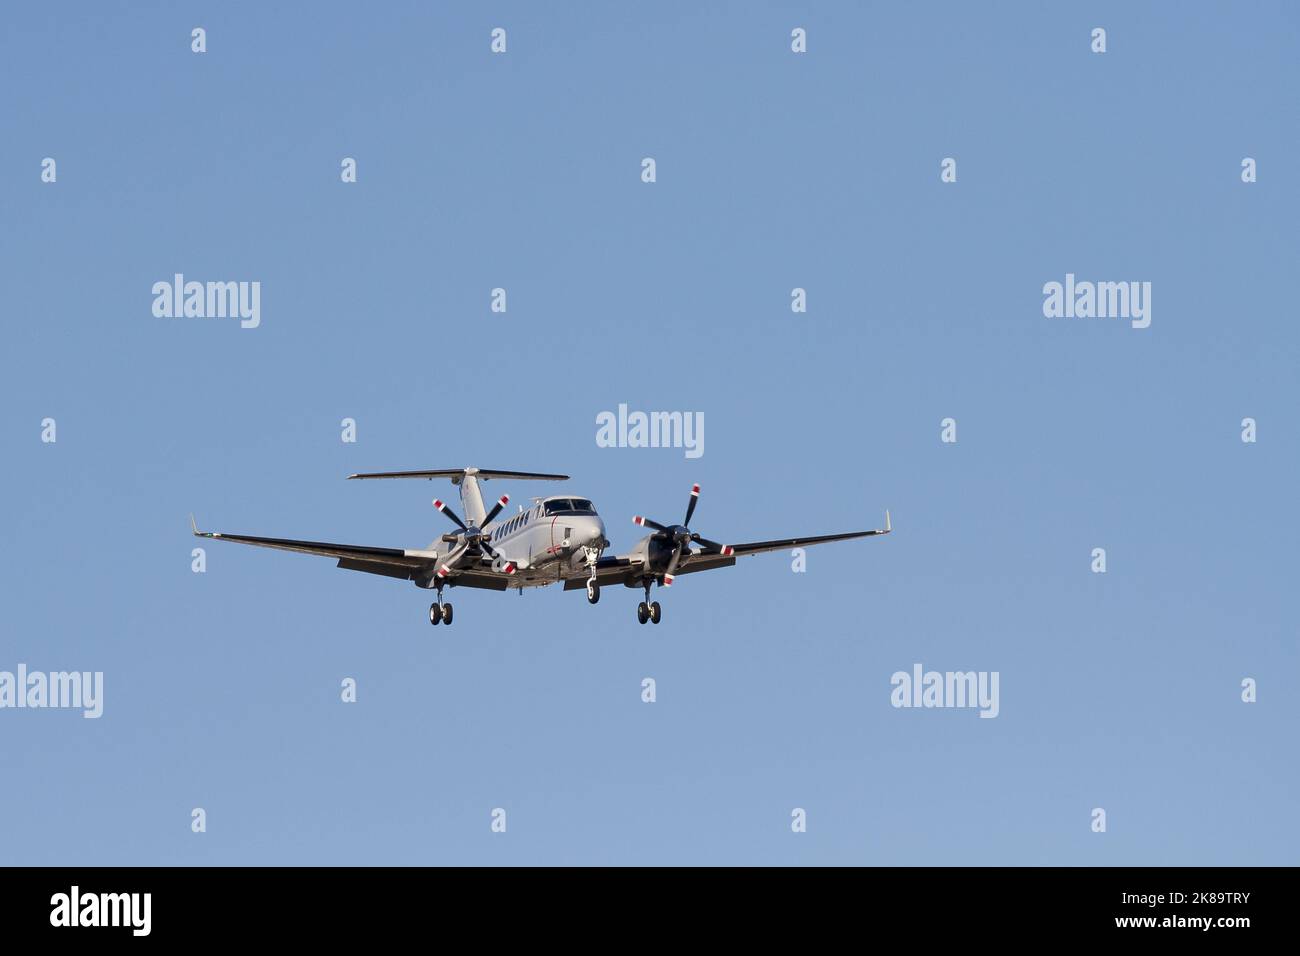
(496, 509)
(471, 537)
(680, 537)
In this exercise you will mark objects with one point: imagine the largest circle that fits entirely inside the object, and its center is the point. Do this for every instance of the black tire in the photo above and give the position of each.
(593, 595)
(656, 612)
(642, 613)
(446, 614)
(435, 614)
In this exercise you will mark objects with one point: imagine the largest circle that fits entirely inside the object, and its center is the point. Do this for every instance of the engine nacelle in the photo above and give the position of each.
(649, 558)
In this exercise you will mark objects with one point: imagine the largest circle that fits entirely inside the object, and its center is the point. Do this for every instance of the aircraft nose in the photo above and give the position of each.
(597, 530)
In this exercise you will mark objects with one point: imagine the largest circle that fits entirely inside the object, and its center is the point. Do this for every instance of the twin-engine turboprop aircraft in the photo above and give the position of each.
(558, 539)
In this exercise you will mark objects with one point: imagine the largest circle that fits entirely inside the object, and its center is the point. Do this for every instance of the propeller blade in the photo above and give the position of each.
(646, 522)
(690, 506)
(712, 547)
(672, 564)
(442, 506)
(453, 561)
(491, 552)
(496, 510)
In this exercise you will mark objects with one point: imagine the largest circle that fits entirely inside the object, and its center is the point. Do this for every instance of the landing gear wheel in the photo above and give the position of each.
(446, 614)
(655, 613)
(435, 614)
(642, 613)
(593, 593)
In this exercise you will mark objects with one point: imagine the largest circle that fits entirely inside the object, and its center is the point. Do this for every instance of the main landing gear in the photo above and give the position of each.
(439, 612)
(648, 610)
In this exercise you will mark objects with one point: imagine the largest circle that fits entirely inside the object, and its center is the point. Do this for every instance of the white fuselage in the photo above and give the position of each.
(546, 540)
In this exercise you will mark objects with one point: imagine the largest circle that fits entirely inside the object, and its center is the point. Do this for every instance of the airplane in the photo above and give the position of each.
(558, 539)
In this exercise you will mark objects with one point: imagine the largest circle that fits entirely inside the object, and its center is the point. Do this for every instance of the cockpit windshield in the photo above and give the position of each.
(569, 506)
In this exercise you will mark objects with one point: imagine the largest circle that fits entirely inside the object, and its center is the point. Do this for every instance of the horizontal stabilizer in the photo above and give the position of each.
(455, 474)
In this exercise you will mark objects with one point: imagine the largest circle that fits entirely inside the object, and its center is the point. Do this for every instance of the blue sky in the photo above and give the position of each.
(1118, 690)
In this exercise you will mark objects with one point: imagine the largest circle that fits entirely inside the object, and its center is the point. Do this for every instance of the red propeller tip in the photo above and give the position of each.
(668, 580)
(509, 568)
(505, 500)
(728, 551)
(638, 520)
(438, 504)
(695, 490)
(443, 571)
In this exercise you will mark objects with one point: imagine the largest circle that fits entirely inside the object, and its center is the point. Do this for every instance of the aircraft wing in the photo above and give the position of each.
(786, 544)
(701, 561)
(482, 578)
(612, 570)
(392, 562)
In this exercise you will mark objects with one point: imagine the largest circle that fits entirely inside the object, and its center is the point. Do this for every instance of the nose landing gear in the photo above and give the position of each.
(593, 588)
